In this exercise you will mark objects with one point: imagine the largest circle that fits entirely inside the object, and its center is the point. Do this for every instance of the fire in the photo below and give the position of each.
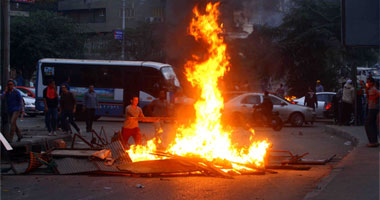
(290, 98)
(206, 137)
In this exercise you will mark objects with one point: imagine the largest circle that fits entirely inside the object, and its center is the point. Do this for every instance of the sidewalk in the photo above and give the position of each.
(357, 175)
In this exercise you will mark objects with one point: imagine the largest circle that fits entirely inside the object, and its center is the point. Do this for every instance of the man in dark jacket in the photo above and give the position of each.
(311, 99)
(266, 107)
(68, 108)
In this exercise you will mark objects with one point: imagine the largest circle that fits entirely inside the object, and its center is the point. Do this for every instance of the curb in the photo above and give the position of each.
(342, 134)
(336, 169)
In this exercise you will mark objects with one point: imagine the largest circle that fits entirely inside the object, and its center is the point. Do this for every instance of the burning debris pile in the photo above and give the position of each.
(203, 147)
(206, 138)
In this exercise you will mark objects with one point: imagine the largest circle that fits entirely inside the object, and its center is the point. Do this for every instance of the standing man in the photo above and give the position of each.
(159, 108)
(131, 126)
(90, 104)
(348, 100)
(311, 99)
(373, 110)
(15, 107)
(319, 87)
(68, 108)
(280, 91)
(51, 107)
(60, 117)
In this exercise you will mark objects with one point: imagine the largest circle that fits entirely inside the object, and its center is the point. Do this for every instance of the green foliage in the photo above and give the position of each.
(311, 44)
(43, 35)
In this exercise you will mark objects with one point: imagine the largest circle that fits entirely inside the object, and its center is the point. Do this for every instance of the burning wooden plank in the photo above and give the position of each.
(159, 167)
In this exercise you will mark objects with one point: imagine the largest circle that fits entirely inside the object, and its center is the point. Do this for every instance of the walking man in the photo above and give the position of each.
(373, 109)
(90, 104)
(311, 99)
(15, 107)
(348, 100)
(131, 126)
(51, 107)
(68, 108)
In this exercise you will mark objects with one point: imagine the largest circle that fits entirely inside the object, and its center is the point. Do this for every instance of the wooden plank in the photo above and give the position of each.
(72, 153)
(158, 167)
(207, 166)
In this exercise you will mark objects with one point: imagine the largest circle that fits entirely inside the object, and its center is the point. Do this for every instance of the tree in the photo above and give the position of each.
(43, 34)
(311, 45)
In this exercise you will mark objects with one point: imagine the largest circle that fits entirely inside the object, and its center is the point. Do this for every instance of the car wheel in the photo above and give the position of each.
(277, 123)
(297, 119)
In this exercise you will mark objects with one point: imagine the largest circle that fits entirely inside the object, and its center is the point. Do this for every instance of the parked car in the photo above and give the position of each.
(242, 106)
(29, 104)
(324, 99)
(30, 91)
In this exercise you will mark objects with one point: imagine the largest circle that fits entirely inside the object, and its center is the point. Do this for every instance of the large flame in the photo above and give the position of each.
(206, 137)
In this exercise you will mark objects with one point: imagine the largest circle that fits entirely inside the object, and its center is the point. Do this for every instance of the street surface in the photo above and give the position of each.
(284, 185)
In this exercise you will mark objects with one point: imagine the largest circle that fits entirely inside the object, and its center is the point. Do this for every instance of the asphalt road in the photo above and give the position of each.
(284, 185)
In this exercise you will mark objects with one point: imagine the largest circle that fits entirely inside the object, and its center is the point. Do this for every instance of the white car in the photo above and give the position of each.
(29, 104)
(324, 103)
(289, 113)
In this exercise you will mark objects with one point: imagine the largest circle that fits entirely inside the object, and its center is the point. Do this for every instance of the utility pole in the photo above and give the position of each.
(5, 41)
(4, 58)
(123, 27)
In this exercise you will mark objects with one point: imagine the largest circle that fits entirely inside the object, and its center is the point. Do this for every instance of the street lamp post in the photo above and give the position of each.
(123, 28)
(4, 57)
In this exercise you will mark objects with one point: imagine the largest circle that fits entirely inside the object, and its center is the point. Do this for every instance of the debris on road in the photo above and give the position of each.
(348, 143)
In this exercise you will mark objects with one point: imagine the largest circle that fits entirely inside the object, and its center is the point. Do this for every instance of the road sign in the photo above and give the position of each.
(118, 34)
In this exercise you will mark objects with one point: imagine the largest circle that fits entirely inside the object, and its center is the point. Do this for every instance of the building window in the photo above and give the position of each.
(129, 14)
(158, 12)
(87, 16)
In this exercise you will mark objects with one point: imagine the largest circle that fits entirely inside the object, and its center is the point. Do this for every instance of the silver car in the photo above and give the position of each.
(242, 105)
(324, 103)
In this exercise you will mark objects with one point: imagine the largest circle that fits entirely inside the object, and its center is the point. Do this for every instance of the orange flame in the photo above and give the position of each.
(206, 137)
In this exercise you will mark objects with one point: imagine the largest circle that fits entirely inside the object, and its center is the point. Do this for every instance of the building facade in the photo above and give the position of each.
(102, 20)
(105, 16)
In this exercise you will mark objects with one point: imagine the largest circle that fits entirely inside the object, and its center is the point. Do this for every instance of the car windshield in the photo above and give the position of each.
(170, 76)
(230, 95)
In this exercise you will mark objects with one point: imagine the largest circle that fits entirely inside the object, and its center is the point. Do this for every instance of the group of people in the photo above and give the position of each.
(60, 111)
(366, 95)
(60, 107)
